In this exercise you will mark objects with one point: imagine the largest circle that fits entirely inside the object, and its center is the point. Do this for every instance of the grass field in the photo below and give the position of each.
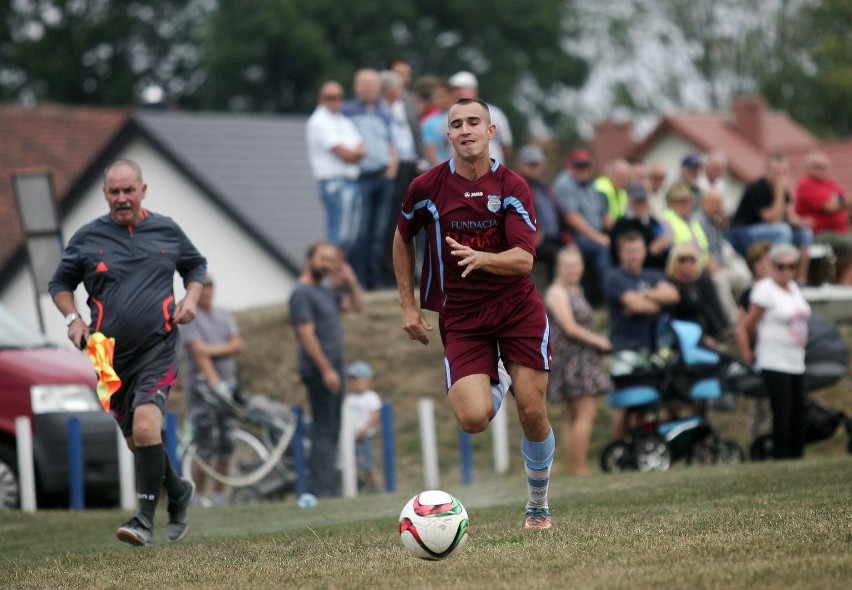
(770, 525)
(757, 525)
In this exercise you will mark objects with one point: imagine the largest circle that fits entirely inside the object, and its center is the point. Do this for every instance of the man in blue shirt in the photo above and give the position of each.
(378, 169)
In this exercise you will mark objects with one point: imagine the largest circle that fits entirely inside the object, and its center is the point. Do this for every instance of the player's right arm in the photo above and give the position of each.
(78, 331)
(413, 321)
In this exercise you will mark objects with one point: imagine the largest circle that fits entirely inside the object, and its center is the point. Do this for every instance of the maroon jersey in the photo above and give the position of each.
(492, 214)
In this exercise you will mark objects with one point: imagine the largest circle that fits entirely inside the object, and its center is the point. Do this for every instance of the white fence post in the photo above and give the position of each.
(348, 469)
(127, 473)
(429, 442)
(26, 463)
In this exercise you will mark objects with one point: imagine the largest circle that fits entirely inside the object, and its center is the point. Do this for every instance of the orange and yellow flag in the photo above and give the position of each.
(100, 350)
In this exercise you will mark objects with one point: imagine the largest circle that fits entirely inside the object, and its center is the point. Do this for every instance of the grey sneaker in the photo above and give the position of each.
(135, 532)
(178, 524)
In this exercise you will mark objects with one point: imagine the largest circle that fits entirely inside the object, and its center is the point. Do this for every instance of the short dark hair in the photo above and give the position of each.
(479, 101)
(629, 236)
(312, 249)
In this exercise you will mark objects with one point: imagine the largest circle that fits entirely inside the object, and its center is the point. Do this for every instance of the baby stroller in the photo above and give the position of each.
(826, 362)
(653, 390)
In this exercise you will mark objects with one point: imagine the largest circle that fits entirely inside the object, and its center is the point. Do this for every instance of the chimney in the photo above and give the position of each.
(613, 140)
(750, 119)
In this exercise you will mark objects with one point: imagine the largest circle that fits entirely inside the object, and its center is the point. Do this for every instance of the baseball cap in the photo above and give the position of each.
(637, 191)
(692, 161)
(360, 369)
(463, 80)
(531, 154)
(580, 157)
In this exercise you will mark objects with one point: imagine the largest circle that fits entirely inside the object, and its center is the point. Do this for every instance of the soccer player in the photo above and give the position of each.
(479, 222)
(127, 261)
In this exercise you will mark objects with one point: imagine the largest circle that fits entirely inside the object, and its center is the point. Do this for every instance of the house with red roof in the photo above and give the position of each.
(746, 135)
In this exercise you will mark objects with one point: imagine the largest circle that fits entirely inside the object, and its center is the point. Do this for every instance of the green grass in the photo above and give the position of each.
(770, 525)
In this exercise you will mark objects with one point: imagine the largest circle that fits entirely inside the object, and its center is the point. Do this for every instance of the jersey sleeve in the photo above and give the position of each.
(69, 273)
(520, 223)
(191, 266)
(410, 219)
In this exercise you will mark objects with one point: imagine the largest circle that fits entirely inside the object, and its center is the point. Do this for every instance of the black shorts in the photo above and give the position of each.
(146, 381)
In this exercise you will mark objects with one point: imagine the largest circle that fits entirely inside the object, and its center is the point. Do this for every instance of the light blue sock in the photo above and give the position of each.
(538, 457)
(501, 388)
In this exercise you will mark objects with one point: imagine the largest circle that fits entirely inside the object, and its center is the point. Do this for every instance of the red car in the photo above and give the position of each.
(50, 385)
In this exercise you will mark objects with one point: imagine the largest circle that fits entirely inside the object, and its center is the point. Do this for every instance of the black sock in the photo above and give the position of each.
(171, 481)
(149, 480)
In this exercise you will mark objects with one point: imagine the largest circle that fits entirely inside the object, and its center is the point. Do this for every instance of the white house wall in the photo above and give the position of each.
(670, 149)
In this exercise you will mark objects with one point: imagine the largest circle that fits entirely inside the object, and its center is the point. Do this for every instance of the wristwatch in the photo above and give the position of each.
(69, 319)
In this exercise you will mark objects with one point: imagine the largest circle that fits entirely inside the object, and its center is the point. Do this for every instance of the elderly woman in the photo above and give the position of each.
(698, 300)
(777, 324)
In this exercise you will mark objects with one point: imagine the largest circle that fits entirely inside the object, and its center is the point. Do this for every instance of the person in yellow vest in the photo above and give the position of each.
(614, 186)
(682, 227)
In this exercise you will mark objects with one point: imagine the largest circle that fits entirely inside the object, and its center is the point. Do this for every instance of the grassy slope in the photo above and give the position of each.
(406, 371)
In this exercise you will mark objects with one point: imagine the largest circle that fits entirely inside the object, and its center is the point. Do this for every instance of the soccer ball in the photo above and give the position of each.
(433, 525)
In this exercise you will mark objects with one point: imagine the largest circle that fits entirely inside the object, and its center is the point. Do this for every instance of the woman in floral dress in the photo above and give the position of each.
(578, 372)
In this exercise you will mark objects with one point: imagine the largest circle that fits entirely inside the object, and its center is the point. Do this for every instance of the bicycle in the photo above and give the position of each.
(262, 465)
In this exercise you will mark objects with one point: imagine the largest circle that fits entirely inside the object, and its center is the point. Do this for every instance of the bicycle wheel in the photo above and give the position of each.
(249, 454)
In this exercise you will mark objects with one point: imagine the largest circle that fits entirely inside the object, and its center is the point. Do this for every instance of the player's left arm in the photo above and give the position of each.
(515, 261)
(192, 267)
(185, 310)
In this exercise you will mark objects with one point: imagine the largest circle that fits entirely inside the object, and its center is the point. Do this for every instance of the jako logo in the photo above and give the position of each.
(469, 195)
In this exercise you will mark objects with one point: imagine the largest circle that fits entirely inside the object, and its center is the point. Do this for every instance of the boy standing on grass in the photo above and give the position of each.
(480, 227)
(364, 406)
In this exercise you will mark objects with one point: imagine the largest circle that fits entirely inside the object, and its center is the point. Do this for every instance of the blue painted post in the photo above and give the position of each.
(388, 447)
(172, 442)
(76, 486)
(466, 451)
(299, 453)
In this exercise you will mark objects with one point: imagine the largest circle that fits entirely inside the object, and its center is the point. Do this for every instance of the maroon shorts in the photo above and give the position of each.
(515, 329)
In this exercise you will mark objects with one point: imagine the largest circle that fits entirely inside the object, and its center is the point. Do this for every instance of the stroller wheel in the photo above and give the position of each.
(761, 448)
(651, 454)
(615, 457)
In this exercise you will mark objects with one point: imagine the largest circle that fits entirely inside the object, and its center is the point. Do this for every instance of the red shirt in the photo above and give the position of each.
(494, 213)
(812, 195)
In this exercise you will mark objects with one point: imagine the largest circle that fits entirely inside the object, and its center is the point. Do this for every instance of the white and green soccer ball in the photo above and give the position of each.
(433, 525)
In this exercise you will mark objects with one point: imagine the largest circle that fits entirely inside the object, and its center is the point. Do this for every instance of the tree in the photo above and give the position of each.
(98, 51)
(272, 55)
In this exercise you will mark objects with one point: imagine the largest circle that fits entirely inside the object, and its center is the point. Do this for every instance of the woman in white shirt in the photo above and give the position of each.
(777, 324)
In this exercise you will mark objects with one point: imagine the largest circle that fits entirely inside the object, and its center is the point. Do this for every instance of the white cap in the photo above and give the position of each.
(463, 80)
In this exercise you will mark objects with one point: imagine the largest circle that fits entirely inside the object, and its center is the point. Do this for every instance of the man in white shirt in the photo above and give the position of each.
(334, 149)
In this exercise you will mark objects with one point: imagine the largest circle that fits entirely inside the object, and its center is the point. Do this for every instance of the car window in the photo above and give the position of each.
(15, 333)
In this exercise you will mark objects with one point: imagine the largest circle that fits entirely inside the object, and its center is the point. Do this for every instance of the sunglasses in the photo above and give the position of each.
(332, 97)
(782, 266)
(686, 258)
